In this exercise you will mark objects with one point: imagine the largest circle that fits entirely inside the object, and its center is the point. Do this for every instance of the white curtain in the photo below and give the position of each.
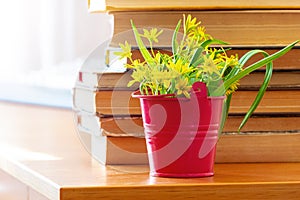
(44, 42)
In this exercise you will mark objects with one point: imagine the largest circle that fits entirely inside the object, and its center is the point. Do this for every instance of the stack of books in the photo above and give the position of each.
(244, 28)
(106, 111)
(108, 119)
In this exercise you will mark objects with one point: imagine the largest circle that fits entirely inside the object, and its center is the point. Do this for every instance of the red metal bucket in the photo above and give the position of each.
(181, 134)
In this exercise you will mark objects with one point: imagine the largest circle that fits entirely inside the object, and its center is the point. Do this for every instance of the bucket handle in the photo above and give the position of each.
(200, 89)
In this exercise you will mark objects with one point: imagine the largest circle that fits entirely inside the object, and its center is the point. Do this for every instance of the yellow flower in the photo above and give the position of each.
(166, 83)
(138, 75)
(126, 51)
(180, 67)
(152, 35)
(209, 66)
(229, 61)
(233, 87)
(182, 87)
(158, 75)
(190, 24)
(232, 61)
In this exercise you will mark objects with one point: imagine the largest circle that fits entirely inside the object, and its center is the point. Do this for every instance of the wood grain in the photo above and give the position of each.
(252, 191)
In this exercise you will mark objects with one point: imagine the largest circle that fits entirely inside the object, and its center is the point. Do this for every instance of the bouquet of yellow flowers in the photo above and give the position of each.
(196, 56)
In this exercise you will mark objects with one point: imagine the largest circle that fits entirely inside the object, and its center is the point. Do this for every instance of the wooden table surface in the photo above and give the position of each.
(40, 147)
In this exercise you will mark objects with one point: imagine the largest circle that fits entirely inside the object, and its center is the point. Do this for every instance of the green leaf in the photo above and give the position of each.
(248, 55)
(234, 71)
(260, 94)
(226, 84)
(145, 53)
(206, 43)
(174, 39)
(195, 57)
(130, 83)
(224, 113)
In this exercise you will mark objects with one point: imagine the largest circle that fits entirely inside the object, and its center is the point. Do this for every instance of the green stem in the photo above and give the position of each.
(261, 92)
(226, 84)
(145, 53)
(224, 113)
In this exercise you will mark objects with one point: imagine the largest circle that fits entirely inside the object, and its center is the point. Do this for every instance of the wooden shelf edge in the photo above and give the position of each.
(29, 177)
(274, 191)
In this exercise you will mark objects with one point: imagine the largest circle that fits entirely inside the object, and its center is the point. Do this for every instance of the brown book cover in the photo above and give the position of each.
(236, 27)
(119, 126)
(105, 102)
(105, 81)
(124, 126)
(258, 148)
(281, 80)
(120, 102)
(273, 102)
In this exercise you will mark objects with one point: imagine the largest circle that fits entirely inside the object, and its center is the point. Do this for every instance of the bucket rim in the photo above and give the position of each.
(137, 94)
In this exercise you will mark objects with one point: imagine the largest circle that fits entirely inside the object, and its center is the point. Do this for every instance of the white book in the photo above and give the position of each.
(115, 150)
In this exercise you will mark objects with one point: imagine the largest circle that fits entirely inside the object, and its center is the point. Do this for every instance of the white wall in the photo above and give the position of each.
(41, 40)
